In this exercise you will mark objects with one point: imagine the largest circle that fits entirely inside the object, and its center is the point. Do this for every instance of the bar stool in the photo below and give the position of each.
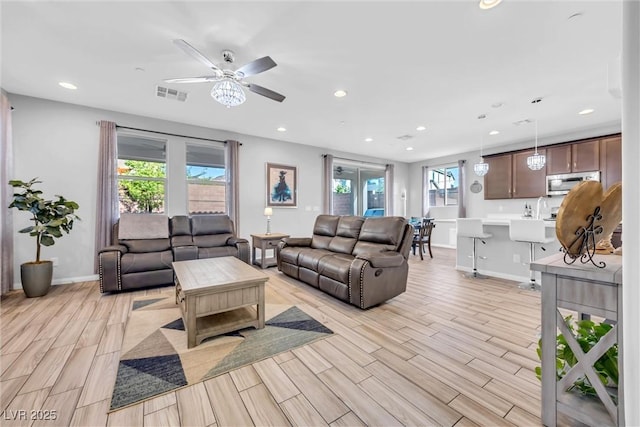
(472, 227)
(531, 231)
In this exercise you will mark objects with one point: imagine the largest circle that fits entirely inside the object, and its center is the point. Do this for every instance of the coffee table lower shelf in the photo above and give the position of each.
(227, 321)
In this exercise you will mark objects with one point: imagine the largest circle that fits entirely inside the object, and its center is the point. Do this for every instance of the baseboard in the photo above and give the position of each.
(65, 280)
(512, 277)
(439, 245)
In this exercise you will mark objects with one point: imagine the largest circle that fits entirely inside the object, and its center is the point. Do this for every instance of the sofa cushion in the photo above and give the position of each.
(217, 252)
(211, 240)
(143, 226)
(290, 254)
(211, 224)
(324, 230)
(334, 288)
(309, 258)
(179, 225)
(146, 245)
(336, 267)
(349, 226)
(149, 261)
(386, 230)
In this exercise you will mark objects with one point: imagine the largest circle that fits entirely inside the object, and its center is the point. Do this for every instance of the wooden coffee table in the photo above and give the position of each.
(217, 295)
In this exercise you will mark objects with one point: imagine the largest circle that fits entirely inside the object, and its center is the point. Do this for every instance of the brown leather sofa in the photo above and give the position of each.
(362, 261)
(149, 243)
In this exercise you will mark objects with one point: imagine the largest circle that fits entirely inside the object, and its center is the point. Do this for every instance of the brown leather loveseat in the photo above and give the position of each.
(149, 243)
(362, 261)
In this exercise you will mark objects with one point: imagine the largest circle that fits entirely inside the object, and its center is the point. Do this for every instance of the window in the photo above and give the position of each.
(443, 186)
(175, 176)
(141, 175)
(206, 180)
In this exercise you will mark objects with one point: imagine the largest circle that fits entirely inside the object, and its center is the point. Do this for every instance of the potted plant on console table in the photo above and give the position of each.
(50, 219)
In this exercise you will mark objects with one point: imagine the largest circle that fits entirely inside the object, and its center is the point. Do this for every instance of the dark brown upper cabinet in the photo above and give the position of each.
(497, 182)
(579, 157)
(527, 182)
(610, 161)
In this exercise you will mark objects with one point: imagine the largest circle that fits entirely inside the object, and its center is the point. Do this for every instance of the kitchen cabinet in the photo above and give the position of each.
(509, 177)
(527, 182)
(610, 161)
(497, 182)
(579, 157)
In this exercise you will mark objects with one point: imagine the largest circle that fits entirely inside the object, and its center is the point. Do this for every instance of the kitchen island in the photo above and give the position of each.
(505, 258)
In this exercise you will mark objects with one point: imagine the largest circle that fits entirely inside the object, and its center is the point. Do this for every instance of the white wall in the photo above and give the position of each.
(58, 143)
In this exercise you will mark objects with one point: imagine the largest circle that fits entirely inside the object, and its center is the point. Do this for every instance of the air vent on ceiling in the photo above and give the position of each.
(523, 122)
(405, 137)
(165, 92)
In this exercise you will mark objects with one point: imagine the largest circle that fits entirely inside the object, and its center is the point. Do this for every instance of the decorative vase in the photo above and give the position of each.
(36, 278)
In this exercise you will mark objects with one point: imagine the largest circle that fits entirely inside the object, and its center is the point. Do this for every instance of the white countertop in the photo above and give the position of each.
(495, 221)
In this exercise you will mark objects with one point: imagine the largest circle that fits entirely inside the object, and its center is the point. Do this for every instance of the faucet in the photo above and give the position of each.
(543, 202)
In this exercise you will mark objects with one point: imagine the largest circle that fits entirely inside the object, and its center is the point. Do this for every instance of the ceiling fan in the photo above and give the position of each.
(228, 90)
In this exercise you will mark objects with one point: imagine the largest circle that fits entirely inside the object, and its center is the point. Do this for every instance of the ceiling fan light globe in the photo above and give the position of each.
(228, 93)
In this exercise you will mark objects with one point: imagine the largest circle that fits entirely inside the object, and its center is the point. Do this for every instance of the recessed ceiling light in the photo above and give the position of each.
(586, 111)
(536, 100)
(67, 85)
(482, 116)
(340, 93)
(497, 105)
(139, 69)
(281, 129)
(368, 139)
(421, 128)
(409, 148)
(575, 15)
(494, 132)
(488, 4)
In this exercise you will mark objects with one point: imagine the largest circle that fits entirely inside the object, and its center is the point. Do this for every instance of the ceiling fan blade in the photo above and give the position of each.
(194, 53)
(266, 92)
(203, 79)
(254, 67)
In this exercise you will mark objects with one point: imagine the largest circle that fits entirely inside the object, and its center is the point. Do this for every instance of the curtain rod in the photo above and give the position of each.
(170, 134)
(357, 161)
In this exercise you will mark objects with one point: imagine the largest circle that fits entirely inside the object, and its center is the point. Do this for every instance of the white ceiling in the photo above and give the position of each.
(434, 63)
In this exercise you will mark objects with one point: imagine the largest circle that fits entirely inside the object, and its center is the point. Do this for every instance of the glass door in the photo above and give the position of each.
(358, 190)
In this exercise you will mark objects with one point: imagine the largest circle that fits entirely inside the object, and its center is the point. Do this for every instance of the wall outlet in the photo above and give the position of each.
(54, 260)
(516, 258)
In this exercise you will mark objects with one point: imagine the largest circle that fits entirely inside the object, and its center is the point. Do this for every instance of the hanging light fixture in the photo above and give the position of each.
(536, 161)
(482, 167)
(228, 93)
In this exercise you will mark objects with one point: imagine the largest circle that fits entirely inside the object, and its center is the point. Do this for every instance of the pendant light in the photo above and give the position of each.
(481, 168)
(536, 161)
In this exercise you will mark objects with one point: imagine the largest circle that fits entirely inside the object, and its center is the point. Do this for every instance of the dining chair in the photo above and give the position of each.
(423, 237)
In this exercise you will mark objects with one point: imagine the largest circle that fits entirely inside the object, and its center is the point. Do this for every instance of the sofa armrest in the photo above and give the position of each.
(243, 248)
(296, 241)
(109, 268)
(383, 259)
(371, 285)
(185, 253)
(119, 248)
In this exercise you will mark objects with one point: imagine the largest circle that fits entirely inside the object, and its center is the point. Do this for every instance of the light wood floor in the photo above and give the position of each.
(449, 351)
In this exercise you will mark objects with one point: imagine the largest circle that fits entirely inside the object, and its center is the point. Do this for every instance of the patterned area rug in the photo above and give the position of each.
(155, 359)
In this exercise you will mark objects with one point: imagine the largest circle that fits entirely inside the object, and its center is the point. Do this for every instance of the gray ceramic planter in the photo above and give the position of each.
(36, 278)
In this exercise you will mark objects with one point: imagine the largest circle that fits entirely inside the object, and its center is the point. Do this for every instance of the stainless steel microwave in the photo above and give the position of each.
(561, 184)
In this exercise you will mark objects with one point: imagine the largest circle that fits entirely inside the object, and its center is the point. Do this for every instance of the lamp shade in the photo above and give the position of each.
(268, 211)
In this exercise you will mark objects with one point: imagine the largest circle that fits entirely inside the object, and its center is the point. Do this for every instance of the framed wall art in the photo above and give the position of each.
(282, 186)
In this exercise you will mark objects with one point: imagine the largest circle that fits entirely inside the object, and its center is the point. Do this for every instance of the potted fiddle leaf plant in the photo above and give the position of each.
(50, 218)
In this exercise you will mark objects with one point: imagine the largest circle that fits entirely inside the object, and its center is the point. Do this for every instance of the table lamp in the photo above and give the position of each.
(268, 212)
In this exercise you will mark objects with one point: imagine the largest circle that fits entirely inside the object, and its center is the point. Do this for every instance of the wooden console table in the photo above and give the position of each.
(589, 291)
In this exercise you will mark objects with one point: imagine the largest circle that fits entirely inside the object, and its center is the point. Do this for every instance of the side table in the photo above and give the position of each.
(590, 291)
(265, 242)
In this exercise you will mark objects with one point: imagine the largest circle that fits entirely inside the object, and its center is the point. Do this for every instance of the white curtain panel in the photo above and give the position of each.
(107, 210)
(232, 152)
(327, 184)
(388, 190)
(425, 191)
(462, 205)
(6, 193)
